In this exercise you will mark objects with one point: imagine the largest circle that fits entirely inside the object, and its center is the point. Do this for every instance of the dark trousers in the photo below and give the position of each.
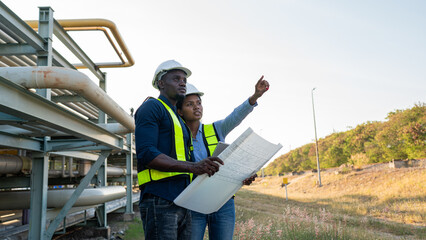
(162, 219)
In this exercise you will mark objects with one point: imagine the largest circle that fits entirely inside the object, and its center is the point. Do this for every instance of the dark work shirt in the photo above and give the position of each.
(154, 136)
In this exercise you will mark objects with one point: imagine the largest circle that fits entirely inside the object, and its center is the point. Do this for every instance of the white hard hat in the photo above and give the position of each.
(166, 66)
(191, 89)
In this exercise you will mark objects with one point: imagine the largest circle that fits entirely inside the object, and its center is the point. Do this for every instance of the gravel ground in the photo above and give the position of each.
(115, 222)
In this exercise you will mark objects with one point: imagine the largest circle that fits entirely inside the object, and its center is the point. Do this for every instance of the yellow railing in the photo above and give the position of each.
(96, 25)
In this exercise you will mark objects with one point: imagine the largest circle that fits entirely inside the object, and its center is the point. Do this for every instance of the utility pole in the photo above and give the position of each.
(316, 141)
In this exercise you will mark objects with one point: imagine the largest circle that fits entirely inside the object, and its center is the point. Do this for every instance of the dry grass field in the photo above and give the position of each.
(375, 202)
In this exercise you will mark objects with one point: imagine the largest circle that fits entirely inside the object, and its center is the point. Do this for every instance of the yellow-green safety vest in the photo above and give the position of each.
(210, 138)
(150, 175)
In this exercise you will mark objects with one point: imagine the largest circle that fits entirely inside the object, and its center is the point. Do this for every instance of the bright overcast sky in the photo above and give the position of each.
(366, 58)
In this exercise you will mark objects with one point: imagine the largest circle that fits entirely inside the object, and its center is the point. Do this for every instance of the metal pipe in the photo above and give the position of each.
(63, 78)
(11, 164)
(27, 60)
(91, 107)
(6, 38)
(114, 128)
(63, 167)
(70, 172)
(85, 108)
(77, 24)
(74, 108)
(115, 171)
(18, 61)
(58, 197)
(106, 35)
(8, 61)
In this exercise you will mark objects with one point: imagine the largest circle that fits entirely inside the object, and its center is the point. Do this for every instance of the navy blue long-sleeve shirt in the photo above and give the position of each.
(154, 136)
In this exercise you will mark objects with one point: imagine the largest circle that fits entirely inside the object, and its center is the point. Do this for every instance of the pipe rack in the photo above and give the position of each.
(49, 110)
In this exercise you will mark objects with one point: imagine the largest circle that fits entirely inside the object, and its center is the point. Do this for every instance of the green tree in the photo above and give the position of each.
(374, 152)
(402, 136)
(334, 156)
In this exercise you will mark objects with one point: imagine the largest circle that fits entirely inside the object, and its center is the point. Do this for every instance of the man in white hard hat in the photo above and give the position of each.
(164, 157)
(205, 139)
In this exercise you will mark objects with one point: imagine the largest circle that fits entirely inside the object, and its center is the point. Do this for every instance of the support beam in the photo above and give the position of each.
(30, 41)
(5, 118)
(79, 155)
(102, 117)
(44, 57)
(21, 103)
(86, 180)
(19, 29)
(38, 205)
(68, 98)
(12, 141)
(129, 174)
(101, 213)
(63, 145)
(12, 49)
(94, 147)
(40, 167)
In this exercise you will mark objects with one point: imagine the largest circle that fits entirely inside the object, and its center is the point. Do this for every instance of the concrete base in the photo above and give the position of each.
(128, 217)
(102, 232)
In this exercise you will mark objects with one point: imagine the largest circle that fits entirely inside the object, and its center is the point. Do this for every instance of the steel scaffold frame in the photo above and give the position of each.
(22, 109)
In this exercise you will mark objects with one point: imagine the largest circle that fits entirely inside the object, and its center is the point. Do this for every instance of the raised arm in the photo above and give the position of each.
(259, 89)
(226, 125)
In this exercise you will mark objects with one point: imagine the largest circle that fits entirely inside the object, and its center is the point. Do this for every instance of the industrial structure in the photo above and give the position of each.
(66, 147)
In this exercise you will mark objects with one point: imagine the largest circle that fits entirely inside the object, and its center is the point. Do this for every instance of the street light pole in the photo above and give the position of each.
(316, 141)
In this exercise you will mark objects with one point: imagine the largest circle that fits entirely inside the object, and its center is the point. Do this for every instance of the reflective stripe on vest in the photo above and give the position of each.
(149, 175)
(210, 138)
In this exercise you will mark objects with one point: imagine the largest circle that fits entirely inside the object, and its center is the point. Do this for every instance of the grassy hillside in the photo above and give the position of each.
(402, 136)
(374, 203)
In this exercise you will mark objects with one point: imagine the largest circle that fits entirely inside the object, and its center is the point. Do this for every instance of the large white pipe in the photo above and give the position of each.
(11, 164)
(64, 78)
(115, 171)
(57, 198)
(116, 128)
